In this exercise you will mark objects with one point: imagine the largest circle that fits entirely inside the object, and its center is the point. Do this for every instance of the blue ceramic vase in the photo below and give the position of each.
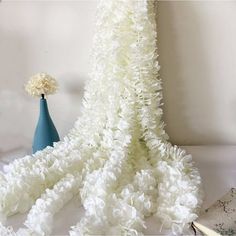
(45, 133)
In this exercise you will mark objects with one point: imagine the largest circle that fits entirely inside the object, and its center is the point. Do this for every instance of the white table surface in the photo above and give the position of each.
(217, 165)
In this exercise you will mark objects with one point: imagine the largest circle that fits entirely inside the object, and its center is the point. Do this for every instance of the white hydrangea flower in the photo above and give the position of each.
(41, 84)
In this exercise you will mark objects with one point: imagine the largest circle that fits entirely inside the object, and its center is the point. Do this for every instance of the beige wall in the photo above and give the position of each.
(197, 47)
(197, 54)
(35, 36)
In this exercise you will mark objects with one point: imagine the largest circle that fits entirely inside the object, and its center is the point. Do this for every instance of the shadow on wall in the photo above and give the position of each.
(187, 97)
(68, 101)
(75, 86)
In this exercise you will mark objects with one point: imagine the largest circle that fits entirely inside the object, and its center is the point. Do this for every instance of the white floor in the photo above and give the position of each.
(217, 165)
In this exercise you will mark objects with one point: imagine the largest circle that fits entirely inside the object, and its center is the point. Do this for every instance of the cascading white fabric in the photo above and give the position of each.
(116, 158)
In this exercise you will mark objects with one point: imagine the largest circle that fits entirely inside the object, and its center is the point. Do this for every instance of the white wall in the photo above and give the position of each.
(197, 47)
(35, 36)
(197, 53)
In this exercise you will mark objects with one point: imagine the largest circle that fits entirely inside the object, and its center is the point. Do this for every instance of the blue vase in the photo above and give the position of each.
(45, 133)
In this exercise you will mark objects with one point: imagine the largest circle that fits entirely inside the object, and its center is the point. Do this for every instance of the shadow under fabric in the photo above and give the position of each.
(116, 159)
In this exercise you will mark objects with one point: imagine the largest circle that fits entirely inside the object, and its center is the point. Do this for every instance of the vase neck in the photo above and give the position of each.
(43, 107)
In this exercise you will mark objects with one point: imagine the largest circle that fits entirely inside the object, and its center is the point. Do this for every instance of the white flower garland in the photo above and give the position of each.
(117, 157)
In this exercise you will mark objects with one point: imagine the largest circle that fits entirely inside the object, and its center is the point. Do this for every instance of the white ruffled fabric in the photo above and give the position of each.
(116, 159)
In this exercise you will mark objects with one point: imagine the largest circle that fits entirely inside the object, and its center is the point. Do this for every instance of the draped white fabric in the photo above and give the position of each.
(116, 159)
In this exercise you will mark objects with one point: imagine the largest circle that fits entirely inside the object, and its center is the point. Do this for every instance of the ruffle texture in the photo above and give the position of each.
(116, 159)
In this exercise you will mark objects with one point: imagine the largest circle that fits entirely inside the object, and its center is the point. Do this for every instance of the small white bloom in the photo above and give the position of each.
(41, 83)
